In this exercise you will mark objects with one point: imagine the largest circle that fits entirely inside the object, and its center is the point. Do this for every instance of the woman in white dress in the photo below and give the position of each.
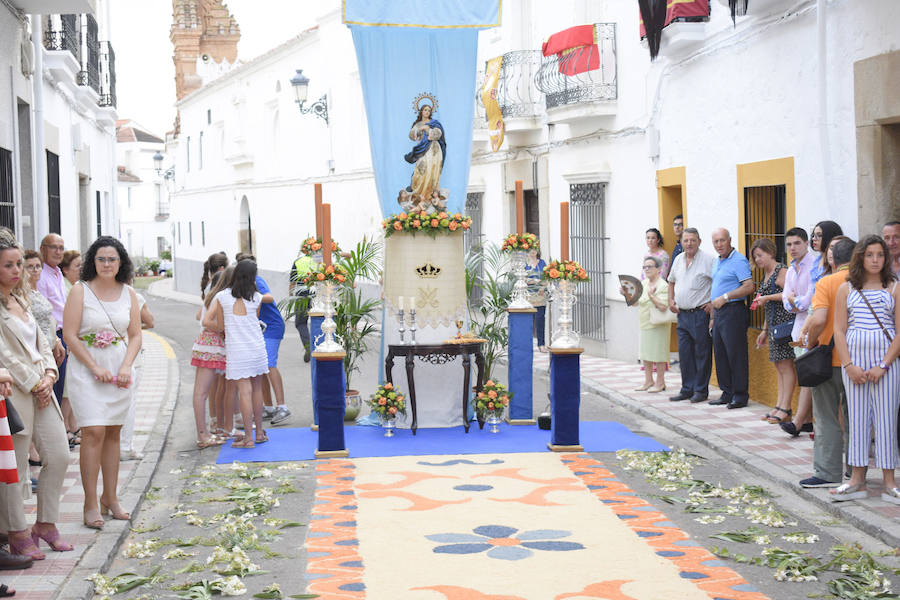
(235, 310)
(102, 328)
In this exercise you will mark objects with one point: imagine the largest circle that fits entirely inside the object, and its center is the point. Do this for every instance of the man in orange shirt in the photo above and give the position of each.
(829, 399)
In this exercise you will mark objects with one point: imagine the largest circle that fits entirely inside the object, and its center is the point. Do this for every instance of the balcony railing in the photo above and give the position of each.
(162, 211)
(516, 91)
(90, 53)
(63, 34)
(597, 84)
(107, 75)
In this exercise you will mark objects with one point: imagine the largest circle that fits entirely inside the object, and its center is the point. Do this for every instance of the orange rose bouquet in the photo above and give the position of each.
(311, 245)
(520, 242)
(388, 401)
(492, 399)
(569, 270)
(321, 273)
(423, 222)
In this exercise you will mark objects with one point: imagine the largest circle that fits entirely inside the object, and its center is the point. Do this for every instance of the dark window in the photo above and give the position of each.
(532, 212)
(209, 116)
(473, 239)
(7, 204)
(587, 237)
(190, 233)
(765, 216)
(202, 233)
(53, 191)
(99, 216)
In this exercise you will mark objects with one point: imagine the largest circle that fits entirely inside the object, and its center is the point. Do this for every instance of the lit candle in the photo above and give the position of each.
(326, 234)
(318, 208)
(564, 230)
(520, 208)
(400, 302)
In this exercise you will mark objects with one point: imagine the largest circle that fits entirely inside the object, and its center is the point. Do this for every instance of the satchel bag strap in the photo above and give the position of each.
(872, 310)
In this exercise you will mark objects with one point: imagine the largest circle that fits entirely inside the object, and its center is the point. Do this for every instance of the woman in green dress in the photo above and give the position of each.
(654, 350)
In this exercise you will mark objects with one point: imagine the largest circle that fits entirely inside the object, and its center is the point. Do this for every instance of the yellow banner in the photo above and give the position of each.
(491, 106)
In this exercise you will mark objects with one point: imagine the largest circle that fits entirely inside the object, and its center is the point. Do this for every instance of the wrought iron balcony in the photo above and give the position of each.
(90, 54)
(564, 80)
(107, 75)
(516, 91)
(63, 33)
(162, 210)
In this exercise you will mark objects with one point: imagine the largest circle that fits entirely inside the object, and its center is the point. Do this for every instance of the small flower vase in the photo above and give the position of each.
(330, 341)
(520, 289)
(493, 421)
(388, 425)
(317, 305)
(565, 335)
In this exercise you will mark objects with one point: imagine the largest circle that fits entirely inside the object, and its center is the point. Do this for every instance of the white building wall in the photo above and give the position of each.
(140, 221)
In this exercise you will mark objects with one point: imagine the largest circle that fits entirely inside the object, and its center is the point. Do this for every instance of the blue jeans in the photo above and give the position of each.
(730, 344)
(694, 352)
(539, 324)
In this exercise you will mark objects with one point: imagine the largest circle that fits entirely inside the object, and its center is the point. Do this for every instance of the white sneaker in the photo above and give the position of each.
(268, 412)
(281, 414)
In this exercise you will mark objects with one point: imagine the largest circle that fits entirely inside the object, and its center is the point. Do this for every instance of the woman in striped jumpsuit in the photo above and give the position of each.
(866, 341)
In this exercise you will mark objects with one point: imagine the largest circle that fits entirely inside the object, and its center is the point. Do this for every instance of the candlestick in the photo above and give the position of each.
(412, 303)
(520, 208)
(402, 329)
(412, 325)
(326, 234)
(318, 208)
(564, 230)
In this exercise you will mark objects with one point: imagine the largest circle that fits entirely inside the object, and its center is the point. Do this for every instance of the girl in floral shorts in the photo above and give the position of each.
(208, 355)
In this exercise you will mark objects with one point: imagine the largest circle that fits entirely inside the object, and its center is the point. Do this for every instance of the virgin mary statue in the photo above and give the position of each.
(427, 155)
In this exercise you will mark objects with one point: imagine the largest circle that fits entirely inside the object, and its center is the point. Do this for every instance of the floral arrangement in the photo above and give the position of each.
(101, 339)
(569, 270)
(321, 272)
(493, 398)
(430, 223)
(520, 242)
(311, 245)
(387, 401)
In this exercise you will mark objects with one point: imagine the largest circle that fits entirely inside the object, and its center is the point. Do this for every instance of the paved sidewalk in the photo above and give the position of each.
(165, 288)
(740, 434)
(62, 574)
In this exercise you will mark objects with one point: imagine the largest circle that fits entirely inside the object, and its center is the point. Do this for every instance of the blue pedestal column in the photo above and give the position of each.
(521, 365)
(565, 399)
(315, 330)
(329, 393)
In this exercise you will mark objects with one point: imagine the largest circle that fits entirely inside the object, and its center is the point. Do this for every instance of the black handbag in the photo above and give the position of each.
(782, 332)
(12, 417)
(814, 367)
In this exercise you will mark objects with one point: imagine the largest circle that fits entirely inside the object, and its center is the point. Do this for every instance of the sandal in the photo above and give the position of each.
(777, 420)
(91, 521)
(244, 443)
(845, 492)
(51, 536)
(119, 515)
(210, 441)
(891, 495)
(261, 437)
(25, 546)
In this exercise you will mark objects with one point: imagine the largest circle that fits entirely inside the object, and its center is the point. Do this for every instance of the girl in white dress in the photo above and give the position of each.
(235, 310)
(102, 328)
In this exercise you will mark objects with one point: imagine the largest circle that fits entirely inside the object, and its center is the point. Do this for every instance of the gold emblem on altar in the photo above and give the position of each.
(427, 298)
(428, 271)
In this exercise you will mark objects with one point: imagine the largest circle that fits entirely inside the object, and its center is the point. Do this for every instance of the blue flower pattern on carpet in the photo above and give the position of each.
(516, 547)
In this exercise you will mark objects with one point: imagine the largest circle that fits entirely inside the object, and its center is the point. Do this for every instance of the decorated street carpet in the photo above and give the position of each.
(300, 443)
(521, 526)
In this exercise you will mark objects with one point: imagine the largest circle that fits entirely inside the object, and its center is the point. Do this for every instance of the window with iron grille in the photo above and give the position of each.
(587, 238)
(7, 203)
(765, 216)
(472, 237)
(99, 215)
(53, 191)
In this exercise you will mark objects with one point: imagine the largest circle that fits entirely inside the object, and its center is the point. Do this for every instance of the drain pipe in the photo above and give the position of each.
(824, 142)
(39, 157)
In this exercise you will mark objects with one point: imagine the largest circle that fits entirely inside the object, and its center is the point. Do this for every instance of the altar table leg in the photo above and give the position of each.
(410, 381)
(467, 365)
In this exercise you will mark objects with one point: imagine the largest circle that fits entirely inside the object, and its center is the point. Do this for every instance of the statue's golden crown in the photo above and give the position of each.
(425, 96)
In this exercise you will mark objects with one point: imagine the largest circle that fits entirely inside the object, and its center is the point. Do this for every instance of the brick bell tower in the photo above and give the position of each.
(203, 33)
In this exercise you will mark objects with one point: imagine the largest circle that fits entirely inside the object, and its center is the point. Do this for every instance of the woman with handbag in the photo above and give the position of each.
(776, 332)
(26, 353)
(867, 311)
(655, 322)
(102, 328)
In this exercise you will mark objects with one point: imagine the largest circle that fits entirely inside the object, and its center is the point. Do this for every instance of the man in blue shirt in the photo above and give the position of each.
(731, 283)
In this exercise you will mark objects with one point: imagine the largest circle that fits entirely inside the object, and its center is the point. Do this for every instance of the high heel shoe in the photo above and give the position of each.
(24, 545)
(644, 387)
(118, 516)
(657, 389)
(94, 523)
(52, 538)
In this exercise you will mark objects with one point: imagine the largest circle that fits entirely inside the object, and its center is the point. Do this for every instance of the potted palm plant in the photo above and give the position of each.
(487, 272)
(354, 315)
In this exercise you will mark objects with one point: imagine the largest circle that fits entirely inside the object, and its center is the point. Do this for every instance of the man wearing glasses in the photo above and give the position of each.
(52, 286)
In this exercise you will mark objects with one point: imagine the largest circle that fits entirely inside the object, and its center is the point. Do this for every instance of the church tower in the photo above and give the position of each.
(205, 36)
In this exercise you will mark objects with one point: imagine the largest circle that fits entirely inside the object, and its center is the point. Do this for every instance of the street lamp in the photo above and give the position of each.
(168, 174)
(301, 88)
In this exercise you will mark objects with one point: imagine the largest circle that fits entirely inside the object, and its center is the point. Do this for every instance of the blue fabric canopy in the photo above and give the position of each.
(406, 48)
